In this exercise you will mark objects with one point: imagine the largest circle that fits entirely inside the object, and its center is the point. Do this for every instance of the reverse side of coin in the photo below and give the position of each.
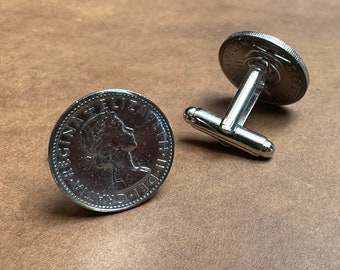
(111, 150)
(288, 77)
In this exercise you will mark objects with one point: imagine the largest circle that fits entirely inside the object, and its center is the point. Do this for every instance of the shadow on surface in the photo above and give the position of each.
(62, 206)
(217, 147)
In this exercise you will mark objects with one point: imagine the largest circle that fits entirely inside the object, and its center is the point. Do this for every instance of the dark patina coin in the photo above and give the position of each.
(111, 150)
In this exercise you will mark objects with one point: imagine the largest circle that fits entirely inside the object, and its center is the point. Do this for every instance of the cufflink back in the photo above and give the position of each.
(263, 68)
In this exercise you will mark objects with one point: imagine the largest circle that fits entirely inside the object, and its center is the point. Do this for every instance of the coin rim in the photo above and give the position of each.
(55, 137)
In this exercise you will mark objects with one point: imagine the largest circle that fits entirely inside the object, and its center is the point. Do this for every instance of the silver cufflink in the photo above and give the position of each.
(263, 68)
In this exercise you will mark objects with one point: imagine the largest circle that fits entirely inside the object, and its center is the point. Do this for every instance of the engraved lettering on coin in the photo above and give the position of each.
(111, 150)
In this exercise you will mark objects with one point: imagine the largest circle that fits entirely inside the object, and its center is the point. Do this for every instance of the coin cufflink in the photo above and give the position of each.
(111, 150)
(263, 68)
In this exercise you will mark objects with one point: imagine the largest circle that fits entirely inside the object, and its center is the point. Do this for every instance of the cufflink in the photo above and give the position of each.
(111, 150)
(263, 68)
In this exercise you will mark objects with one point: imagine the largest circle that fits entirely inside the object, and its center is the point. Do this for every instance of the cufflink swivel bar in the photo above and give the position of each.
(262, 67)
(229, 129)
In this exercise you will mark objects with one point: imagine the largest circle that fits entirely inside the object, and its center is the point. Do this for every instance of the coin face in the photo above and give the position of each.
(287, 76)
(111, 150)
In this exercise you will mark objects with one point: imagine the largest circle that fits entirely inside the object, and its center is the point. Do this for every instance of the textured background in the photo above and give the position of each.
(219, 208)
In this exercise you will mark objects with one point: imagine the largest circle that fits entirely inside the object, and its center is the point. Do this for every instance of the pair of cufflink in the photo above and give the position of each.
(263, 68)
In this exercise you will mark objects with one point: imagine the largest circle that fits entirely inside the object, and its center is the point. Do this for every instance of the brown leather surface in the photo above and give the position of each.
(219, 208)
